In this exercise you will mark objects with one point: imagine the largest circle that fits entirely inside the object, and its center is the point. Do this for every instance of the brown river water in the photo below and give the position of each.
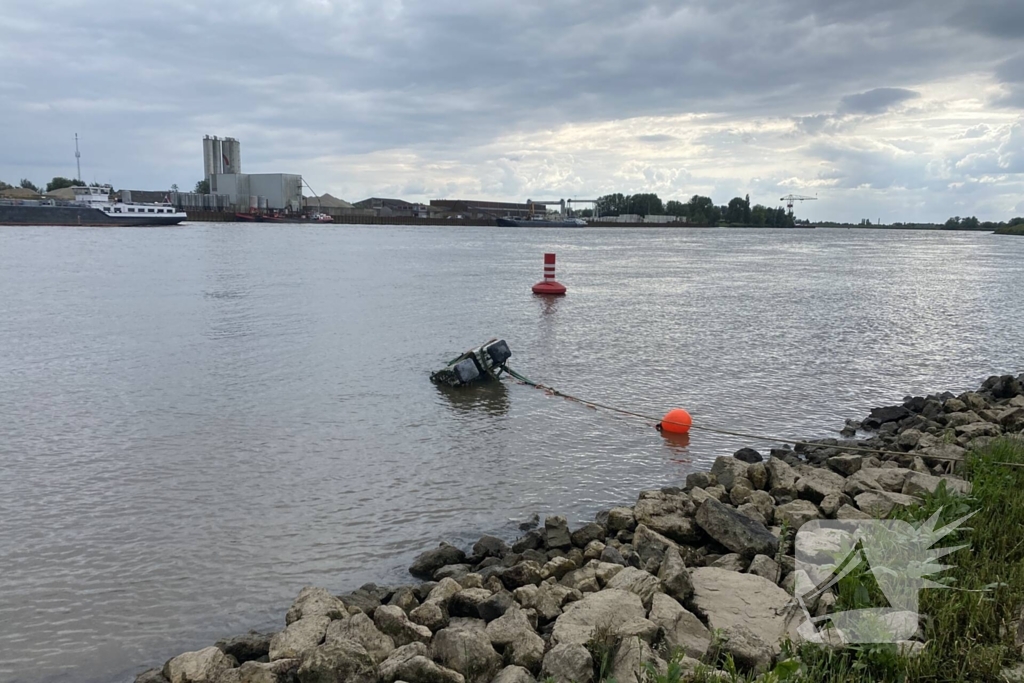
(195, 422)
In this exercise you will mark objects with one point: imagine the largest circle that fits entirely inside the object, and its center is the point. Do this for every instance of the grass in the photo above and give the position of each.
(969, 628)
(1011, 230)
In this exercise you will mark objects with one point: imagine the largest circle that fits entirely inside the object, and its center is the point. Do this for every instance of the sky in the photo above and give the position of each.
(899, 110)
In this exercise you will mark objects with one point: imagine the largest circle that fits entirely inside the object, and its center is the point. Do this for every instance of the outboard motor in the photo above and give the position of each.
(482, 364)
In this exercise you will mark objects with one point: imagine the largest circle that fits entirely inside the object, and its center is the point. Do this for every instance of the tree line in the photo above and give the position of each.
(972, 223)
(698, 210)
(58, 183)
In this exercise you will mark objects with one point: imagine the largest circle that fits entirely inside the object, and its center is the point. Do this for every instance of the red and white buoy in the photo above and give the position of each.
(549, 285)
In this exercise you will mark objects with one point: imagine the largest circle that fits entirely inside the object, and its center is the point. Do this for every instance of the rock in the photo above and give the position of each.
(909, 439)
(636, 581)
(568, 663)
(954, 420)
(674, 577)
(523, 574)
(621, 518)
(875, 479)
(633, 659)
(879, 504)
(797, 513)
(718, 493)
(203, 666)
(741, 492)
(557, 567)
(514, 633)
(405, 598)
(605, 572)
(919, 484)
(682, 629)
(467, 651)
(617, 610)
(752, 512)
(299, 637)
(430, 615)
(556, 532)
(670, 514)
(392, 621)
(741, 606)
(954, 405)
(780, 474)
(495, 606)
(831, 503)
(978, 429)
(593, 550)
(443, 591)
(531, 541)
(850, 512)
(814, 484)
(650, 544)
(251, 646)
(281, 671)
(514, 674)
(734, 562)
(548, 599)
(943, 454)
(736, 532)
(748, 455)
(471, 580)
(845, 464)
(338, 662)
(361, 630)
(586, 534)
(612, 556)
(432, 560)
(880, 416)
(490, 546)
(466, 602)
(315, 602)
(152, 676)
(410, 664)
(764, 503)
(698, 480)
(758, 476)
(727, 470)
(452, 571)
(766, 568)
(1004, 387)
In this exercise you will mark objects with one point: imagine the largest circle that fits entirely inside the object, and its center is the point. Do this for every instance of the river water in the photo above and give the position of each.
(198, 421)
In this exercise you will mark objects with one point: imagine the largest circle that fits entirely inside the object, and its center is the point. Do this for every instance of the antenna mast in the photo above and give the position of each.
(78, 159)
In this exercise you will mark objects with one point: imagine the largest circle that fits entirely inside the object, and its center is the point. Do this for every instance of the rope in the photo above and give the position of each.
(716, 430)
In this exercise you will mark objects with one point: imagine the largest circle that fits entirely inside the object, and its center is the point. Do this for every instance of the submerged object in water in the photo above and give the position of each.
(484, 363)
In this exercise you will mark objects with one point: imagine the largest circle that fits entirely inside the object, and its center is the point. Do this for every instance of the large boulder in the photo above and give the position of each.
(618, 611)
(361, 630)
(797, 513)
(670, 514)
(496, 605)
(674, 577)
(739, 605)
(202, 666)
(880, 416)
(411, 664)
(299, 637)
(251, 646)
(522, 574)
(736, 531)
(766, 568)
(649, 544)
(633, 659)
(879, 504)
(429, 562)
(875, 479)
(978, 429)
(514, 634)
(338, 662)
(315, 602)
(430, 614)
(556, 532)
(727, 470)
(466, 603)
(621, 519)
(845, 463)
(514, 674)
(816, 483)
(918, 484)
(780, 474)
(637, 581)
(683, 630)
(748, 455)
(443, 591)
(588, 533)
(281, 671)
(557, 567)
(392, 621)
(467, 651)
(490, 546)
(547, 599)
(568, 663)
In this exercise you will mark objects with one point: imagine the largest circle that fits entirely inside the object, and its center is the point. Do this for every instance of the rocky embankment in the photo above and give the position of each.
(683, 571)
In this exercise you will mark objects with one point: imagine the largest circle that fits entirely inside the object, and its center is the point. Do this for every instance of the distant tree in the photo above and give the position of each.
(585, 213)
(702, 210)
(675, 208)
(747, 211)
(953, 223)
(736, 211)
(612, 204)
(1016, 221)
(645, 204)
(4, 186)
(28, 185)
(59, 183)
(759, 215)
(971, 223)
(203, 187)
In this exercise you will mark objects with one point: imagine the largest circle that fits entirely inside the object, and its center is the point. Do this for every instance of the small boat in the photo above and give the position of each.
(541, 223)
(320, 218)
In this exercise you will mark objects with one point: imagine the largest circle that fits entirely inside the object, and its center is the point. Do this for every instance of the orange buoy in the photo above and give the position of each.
(676, 421)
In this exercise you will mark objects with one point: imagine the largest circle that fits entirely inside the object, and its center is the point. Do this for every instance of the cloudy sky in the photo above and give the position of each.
(904, 110)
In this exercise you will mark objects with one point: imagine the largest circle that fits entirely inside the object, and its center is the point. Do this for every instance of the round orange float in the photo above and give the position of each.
(676, 421)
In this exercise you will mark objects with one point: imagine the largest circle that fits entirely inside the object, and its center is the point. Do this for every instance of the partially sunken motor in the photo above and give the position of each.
(481, 364)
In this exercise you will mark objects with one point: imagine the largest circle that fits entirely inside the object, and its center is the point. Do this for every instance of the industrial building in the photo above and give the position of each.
(394, 208)
(472, 208)
(222, 163)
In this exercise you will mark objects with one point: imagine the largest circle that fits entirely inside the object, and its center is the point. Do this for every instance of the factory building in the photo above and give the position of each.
(277, 191)
(221, 156)
(472, 208)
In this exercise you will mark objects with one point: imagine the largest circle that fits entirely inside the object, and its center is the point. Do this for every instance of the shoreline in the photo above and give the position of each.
(698, 574)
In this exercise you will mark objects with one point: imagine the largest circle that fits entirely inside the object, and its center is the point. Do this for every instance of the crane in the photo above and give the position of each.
(790, 198)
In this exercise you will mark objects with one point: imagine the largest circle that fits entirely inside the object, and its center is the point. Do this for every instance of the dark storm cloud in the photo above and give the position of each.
(999, 18)
(876, 101)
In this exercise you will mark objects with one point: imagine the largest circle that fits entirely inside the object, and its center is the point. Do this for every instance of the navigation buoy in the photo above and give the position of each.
(676, 421)
(549, 285)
